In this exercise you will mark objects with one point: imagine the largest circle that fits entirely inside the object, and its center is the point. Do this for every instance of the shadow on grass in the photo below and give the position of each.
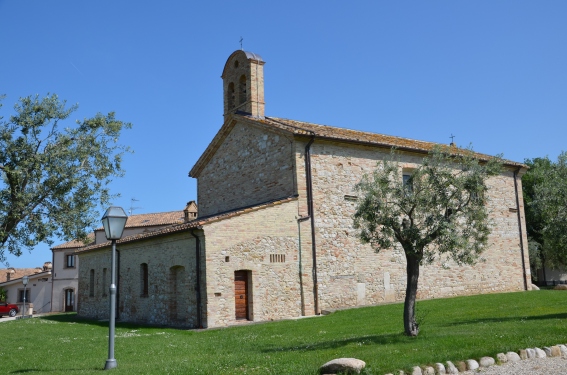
(58, 371)
(507, 319)
(396, 338)
(73, 318)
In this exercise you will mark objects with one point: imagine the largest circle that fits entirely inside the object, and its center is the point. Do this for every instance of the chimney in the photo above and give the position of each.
(190, 211)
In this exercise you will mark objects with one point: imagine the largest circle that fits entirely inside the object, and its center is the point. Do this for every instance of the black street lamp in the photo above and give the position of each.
(25, 281)
(113, 221)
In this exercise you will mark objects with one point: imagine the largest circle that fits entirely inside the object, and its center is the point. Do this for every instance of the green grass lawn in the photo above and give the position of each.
(452, 329)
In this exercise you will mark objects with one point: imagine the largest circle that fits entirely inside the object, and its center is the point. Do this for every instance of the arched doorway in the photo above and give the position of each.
(177, 300)
(69, 300)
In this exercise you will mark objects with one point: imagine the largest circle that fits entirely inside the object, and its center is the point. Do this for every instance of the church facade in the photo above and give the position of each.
(274, 236)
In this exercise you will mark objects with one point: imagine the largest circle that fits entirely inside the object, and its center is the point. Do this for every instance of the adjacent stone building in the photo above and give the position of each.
(66, 264)
(274, 237)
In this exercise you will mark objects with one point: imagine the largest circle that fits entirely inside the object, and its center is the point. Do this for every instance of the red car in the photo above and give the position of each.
(8, 309)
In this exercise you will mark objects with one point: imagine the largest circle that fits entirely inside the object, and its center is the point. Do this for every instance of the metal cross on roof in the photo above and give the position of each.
(241, 42)
(452, 138)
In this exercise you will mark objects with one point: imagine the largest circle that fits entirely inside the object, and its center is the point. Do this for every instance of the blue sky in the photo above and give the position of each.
(492, 73)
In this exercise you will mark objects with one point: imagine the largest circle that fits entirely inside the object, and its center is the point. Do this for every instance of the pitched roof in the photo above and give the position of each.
(74, 243)
(194, 224)
(151, 219)
(332, 133)
(134, 221)
(18, 273)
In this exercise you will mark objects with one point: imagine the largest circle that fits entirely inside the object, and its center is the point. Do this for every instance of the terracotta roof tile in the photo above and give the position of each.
(159, 218)
(195, 224)
(74, 243)
(332, 133)
(17, 273)
(357, 136)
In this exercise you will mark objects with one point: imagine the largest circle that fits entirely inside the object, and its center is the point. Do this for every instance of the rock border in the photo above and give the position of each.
(559, 350)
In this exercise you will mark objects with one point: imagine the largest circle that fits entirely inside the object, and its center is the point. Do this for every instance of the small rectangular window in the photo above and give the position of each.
(407, 182)
(70, 260)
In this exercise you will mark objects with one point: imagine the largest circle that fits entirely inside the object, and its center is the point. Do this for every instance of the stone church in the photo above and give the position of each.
(274, 238)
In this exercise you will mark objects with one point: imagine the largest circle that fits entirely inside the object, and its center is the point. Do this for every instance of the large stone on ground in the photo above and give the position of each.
(343, 365)
(531, 353)
(563, 349)
(540, 353)
(561, 287)
(416, 371)
(439, 369)
(523, 354)
(513, 357)
(486, 362)
(501, 357)
(462, 366)
(451, 368)
(428, 370)
(471, 364)
(535, 287)
(555, 351)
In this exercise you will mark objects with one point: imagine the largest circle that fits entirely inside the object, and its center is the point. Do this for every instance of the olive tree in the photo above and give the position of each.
(437, 210)
(53, 179)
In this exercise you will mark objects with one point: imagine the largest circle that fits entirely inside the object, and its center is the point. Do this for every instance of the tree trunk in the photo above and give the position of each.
(412, 268)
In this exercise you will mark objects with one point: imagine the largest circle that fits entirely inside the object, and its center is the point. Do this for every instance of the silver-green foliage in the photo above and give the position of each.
(52, 178)
(439, 211)
(443, 212)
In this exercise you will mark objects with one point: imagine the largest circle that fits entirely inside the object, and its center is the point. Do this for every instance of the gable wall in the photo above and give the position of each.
(251, 166)
(353, 274)
(167, 302)
(248, 240)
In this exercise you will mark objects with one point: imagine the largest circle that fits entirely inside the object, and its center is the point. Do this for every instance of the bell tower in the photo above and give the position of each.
(243, 84)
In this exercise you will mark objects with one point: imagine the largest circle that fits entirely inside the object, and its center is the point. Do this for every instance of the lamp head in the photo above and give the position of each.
(25, 280)
(114, 221)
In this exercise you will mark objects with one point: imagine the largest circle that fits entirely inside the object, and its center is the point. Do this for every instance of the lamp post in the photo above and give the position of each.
(113, 221)
(25, 281)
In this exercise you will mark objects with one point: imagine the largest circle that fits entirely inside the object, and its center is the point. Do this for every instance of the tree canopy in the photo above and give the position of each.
(53, 179)
(545, 198)
(436, 209)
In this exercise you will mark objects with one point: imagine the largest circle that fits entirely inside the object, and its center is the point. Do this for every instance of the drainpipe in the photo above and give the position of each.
(310, 215)
(53, 281)
(520, 227)
(198, 276)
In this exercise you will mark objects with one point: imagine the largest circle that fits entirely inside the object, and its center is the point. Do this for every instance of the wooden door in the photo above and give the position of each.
(69, 300)
(241, 294)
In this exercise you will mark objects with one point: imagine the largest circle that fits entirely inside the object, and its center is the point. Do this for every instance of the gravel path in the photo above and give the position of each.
(535, 366)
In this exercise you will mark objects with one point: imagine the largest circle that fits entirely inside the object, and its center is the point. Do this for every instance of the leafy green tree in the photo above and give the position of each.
(539, 168)
(437, 211)
(545, 195)
(52, 179)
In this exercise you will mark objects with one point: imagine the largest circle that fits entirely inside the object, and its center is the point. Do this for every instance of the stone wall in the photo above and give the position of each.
(251, 166)
(351, 274)
(171, 298)
(245, 242)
